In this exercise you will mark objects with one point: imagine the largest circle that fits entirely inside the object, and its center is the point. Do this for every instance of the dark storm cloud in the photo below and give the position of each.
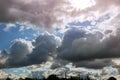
(90, 48)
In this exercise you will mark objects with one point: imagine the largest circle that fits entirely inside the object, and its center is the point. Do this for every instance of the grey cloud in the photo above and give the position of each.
(23, 52)
(96, 64)
(39, 12)
(77, 45)
(19, 50)
(45, 13)
(80, 45)
(117, 67)
(45, 45)
(57, 63)
(3, 58)
(91, 48)
(4, 11)
(69, 37)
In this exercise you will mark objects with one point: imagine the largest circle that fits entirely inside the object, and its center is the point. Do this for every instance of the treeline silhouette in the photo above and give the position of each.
(54, 77)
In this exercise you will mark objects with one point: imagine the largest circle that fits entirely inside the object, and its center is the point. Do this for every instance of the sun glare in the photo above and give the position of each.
(82, 4)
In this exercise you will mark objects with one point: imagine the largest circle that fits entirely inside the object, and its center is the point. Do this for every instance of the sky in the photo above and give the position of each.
(84, 33)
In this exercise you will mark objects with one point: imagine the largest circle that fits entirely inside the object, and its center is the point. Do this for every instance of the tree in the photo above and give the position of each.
(53, 77)
(8, 78)
(112, 78)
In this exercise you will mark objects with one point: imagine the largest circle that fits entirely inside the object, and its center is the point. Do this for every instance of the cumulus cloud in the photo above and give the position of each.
(23, 52)
(78, 45)
(45, 46)
(90, 48)
(19, 50)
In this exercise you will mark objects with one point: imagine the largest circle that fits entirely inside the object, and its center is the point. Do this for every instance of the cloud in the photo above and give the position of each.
(44, 70)
(38, 12)
(98, 10)
(23, 52)
(78, 45)
(45, 46)
(109, 71)
(3, 74)
(93, 46)
(116, 64)
(94, 63)
(3, 58)
(19, 50)
(49, 14)
(9, 26)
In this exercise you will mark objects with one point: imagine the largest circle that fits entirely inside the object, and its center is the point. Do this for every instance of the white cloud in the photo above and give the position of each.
(9, 26)
(21, 28)
(82, 4)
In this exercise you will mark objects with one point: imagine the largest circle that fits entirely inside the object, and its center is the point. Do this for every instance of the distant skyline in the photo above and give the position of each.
(85, 33)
